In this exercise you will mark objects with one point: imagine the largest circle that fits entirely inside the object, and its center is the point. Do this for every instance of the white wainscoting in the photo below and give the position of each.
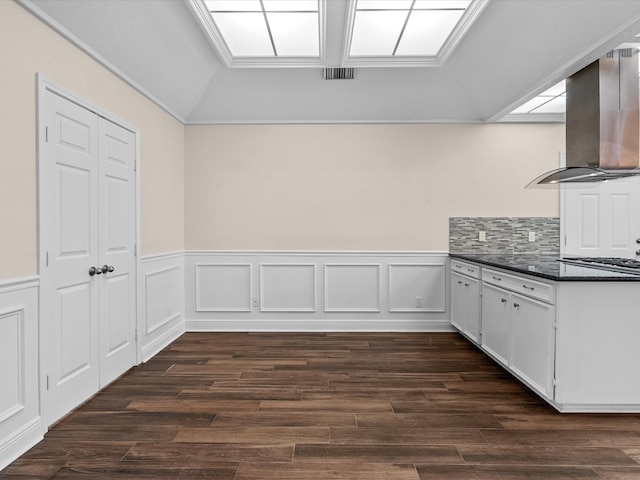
(316, 291)
(160, 302)
(21, 424)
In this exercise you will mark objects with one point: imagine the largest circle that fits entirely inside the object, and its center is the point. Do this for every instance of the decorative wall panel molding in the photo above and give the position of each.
(417, 287)
(223, 287)
(352, 287)
(316, 291)
(160, 302)
(21, 425)
(287, 287)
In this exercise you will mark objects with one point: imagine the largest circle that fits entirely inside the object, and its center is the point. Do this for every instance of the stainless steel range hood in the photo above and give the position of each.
(602, 122)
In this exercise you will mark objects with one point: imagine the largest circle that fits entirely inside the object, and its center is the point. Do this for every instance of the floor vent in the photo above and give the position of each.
(339, 73)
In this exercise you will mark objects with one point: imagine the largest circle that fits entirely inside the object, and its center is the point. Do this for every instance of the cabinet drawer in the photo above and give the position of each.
(524, 285)
(464, 268)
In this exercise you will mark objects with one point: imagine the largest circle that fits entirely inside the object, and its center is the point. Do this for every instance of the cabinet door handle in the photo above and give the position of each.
(497, 279)
(458, 266)
(528, 288)
(466, 284)
(470, 270)
(517, 305)
(459, 282)
(503, 300)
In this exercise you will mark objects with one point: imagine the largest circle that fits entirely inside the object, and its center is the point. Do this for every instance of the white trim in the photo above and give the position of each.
(318, 253)
(442, 309)
(319, 325)
(327, 308)
(168, 318)
(20, 283)
(197, 292)
(26, 438)
(162, 341)
(286, 310)
(296, 121)
(161, 256)
(33, 9)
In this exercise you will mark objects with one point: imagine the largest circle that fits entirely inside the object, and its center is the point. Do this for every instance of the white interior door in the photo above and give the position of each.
(602, 221)
(117, 149)
(87, 177)
(71, 316)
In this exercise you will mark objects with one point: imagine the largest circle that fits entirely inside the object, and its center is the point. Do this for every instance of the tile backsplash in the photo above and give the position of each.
(507, 235)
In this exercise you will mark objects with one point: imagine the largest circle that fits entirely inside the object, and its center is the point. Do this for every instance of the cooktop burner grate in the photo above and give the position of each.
(607, 263)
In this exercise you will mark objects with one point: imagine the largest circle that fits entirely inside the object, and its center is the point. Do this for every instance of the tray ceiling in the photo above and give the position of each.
(512, 51)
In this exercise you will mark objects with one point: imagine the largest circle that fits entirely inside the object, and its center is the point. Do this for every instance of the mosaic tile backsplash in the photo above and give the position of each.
(505, 235)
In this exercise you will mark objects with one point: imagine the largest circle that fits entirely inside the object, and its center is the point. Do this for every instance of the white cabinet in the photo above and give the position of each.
(496, 322)
(533, 342)
(518, 327)
(575, 343)
(465, 299)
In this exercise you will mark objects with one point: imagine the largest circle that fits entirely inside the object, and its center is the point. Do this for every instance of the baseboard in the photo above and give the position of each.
(21, 441)
(318, 325)
(162, 341)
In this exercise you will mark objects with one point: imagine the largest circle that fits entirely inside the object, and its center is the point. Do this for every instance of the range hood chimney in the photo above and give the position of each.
(602, 122)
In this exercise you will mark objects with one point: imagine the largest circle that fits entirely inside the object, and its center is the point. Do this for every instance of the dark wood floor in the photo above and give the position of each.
(328, 406)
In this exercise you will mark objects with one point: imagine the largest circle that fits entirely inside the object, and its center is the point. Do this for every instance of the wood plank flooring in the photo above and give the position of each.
(328, 406)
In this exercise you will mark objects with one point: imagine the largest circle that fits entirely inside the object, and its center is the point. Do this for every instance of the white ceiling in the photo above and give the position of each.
(514, 50)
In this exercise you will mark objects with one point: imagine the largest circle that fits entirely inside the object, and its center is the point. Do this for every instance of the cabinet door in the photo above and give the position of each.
(472, 308)
(496, 322)
(457, 301)
(533, 343)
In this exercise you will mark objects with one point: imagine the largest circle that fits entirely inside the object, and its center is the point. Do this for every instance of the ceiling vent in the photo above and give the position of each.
(339, 73)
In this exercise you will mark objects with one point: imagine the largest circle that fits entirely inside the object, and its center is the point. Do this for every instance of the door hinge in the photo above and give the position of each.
(135, 164)
(135, 250)
(136, 335)
(46, 134)
(47, 382)
(46, 259)
(565, 240)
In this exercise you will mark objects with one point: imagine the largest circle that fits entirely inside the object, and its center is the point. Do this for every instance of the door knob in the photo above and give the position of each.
(94, 271)
(107, 268)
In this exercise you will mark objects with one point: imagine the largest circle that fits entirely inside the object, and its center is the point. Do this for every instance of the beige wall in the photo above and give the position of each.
(27, 47)
(359, 187)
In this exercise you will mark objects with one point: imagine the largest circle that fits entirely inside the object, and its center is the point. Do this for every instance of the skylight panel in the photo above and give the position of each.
(427, 30)
(267, 28)
(245, 33)
(294, 33)
(416, 28)
(377, 32)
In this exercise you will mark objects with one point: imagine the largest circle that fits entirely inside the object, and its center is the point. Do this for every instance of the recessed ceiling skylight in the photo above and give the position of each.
(404, 27)
(268, 28)
(313, 33)
(552, 100)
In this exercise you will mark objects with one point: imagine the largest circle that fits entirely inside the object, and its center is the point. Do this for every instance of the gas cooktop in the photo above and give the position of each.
(606, 263)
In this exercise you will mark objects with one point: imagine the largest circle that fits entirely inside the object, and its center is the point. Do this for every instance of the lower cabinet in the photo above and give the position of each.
(533, 343)
(496, 323)
(465, 305)
(575, 343)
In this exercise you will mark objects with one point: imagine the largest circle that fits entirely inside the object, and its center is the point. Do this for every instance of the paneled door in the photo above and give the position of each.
(116, 249)
(86, 172)
(602, 220)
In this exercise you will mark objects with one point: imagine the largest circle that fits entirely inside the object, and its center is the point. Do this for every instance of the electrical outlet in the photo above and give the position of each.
(482, 236)
(418, 302)
(256, 301)
(532, 236)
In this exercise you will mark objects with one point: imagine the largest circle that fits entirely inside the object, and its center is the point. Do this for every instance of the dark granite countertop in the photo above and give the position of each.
(546, 266)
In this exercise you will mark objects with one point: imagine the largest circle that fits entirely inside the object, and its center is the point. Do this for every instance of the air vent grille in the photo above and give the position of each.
(339, 73)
